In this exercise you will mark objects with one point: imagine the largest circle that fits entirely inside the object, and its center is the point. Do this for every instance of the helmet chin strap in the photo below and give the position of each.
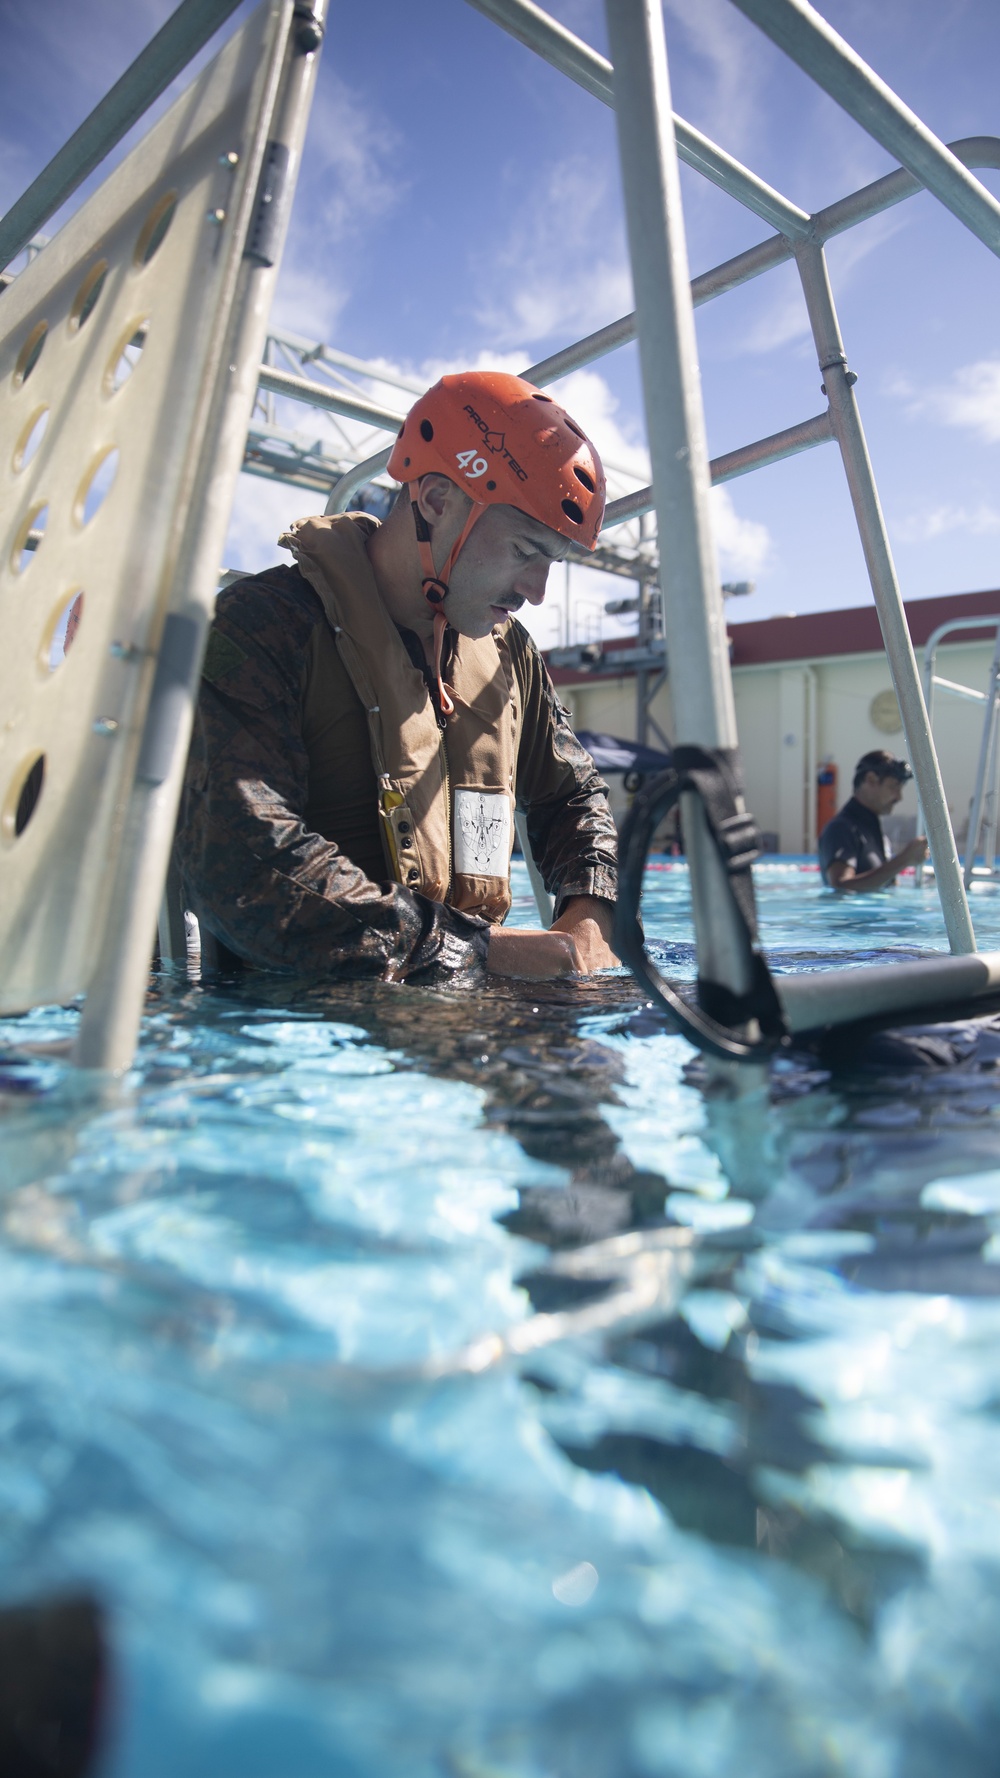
(435, 585)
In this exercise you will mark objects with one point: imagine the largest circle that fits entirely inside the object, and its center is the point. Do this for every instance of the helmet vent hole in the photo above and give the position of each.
(572, 511)
(582, 475)
(426, 430)
(402, 429)
(574, 428)
(491, 487)
(537, 397)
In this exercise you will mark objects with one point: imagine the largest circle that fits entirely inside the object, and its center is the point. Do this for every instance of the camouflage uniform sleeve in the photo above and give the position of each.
(276, 894)
(570, 825)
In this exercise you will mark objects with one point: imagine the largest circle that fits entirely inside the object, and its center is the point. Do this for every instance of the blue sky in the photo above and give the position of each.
(459, 204)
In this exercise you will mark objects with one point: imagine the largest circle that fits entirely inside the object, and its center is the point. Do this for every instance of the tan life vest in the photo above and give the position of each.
(446, 798)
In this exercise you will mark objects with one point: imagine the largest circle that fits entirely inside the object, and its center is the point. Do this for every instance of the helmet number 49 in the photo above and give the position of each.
(471, 463)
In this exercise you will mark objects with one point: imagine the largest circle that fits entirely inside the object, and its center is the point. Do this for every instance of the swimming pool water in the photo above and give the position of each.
(751, 1529)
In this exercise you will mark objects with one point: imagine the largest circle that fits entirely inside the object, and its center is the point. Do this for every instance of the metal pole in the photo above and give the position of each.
(725, 469)
(695, 629)
(534, 28)
(838, 386)
(804, 35)
(932, 681)
(333, 401)
(543, 900)
(183, 35)
(982, 769)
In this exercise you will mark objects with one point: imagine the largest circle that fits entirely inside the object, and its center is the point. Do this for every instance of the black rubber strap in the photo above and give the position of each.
(714, 1023)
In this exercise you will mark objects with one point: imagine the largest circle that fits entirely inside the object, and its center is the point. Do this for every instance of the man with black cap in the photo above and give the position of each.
(852, 846)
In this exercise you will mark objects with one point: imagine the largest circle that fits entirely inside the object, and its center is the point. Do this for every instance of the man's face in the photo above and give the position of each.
(883, 793)
(503, 565)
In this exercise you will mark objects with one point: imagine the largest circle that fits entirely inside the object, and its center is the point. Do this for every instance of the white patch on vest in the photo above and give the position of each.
(482, 833)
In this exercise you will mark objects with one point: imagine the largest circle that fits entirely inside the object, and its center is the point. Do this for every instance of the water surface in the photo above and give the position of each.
(749, 1529)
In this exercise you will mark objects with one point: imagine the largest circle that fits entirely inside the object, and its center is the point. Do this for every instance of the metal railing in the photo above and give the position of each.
(984, 809)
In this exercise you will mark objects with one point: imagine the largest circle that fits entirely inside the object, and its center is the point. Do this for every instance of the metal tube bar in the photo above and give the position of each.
(932, 681)
(990, 802)
(694, 624)
(982, 768)
(956, 623)
(335, 401)
(816, 998)
(774, 449)
(723, 469)
(343, 491)
(571, 56)
(184, 34)
(543, 900)
(804, 35)
(859, 206)
(959, 691)
(846, 420)
(595, 345)
(870, 200)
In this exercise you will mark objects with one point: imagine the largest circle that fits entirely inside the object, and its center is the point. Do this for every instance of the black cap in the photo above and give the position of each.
(883, 765)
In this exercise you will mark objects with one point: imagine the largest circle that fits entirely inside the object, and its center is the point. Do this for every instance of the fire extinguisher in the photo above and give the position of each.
(826, 794)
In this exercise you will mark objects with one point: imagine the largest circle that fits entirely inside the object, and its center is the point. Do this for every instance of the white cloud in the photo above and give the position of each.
(743, 545)
(727, 90)
(784, 319)
(971, 400)
(347, 184)
(923, 527)
(562, 268)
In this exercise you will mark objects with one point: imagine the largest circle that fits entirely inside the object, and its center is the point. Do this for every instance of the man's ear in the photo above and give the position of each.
(434, 495)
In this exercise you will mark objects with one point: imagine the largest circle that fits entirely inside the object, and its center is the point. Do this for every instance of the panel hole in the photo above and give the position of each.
(575, 428)
(30, 353)
(96, 486)
(572, 511)
(85, 300)
(537, 397)
(583, 476)
(126, 356)
(61, 630)
(31, 437)
(154, 230)
(22, 796)
(29, 536)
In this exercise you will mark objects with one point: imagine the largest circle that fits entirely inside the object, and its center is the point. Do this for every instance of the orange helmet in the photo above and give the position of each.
(504, 442)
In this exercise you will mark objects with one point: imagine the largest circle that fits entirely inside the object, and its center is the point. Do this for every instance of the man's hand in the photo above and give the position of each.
(577, 944)
(914, 853)
(590, 923)
(844, 876)
(534, 955)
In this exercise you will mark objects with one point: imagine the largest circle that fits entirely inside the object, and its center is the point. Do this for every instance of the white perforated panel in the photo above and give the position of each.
(109, 348)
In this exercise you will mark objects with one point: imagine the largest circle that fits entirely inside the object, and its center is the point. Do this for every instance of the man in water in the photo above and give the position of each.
(852, 853)
(368, 717)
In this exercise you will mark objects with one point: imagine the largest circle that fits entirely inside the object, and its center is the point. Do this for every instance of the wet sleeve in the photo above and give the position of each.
(570, 825)
(839, 844)
(277, 894)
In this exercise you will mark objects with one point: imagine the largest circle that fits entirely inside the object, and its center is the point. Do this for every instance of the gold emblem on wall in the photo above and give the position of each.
(883, 712)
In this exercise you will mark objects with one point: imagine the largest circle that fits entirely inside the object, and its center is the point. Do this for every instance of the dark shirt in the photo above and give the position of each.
(278, 839)
(854, 837)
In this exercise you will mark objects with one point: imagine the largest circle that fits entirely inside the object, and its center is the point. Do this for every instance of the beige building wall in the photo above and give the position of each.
(793, 715)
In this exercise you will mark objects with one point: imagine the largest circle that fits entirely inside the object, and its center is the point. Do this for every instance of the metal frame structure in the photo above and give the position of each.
(636, 84)
(926, 164)
(984, 812)
(85, 856)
